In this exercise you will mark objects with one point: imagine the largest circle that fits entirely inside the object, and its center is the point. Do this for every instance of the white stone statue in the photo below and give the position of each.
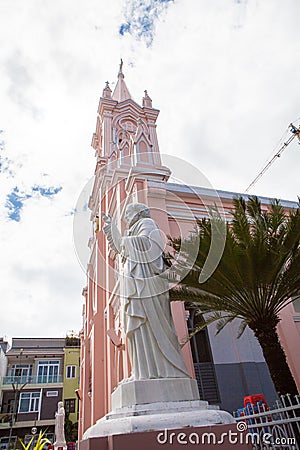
(153, 345)
(60, 440)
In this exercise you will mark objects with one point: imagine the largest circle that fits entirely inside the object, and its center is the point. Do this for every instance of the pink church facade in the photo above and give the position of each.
(129, 169)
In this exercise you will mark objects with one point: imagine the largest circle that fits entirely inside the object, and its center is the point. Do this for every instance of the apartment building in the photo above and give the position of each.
(40, 372)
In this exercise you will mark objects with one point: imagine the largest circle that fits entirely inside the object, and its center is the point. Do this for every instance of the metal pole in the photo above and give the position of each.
(17, 390)
(13, 415)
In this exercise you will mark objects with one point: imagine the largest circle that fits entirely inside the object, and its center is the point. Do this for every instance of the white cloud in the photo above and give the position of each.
(224, 75)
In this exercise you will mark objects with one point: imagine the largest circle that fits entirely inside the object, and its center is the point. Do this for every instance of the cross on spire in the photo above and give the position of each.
(121, 67)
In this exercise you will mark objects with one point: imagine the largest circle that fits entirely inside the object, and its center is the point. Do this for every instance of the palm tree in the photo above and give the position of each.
(258, 276)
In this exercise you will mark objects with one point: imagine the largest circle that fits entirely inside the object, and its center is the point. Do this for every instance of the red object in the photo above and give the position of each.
(71, 446)
(254, 399)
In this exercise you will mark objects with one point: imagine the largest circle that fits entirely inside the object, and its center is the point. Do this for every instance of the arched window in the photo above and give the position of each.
(143, 154)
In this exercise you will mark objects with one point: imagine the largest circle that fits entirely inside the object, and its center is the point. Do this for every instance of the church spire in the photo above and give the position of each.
(121, 91)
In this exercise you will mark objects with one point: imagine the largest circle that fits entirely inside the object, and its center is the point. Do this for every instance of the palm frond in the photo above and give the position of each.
(205, 323)
(242, 328)
(223, 321)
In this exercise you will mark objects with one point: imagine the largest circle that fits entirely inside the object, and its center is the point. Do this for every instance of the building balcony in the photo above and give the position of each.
(33, 379)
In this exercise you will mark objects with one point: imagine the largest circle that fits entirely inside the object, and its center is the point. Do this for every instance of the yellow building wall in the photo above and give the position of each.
(70, 385)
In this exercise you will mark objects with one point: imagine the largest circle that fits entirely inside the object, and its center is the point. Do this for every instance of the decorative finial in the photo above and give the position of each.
(106, 90)
(147, 100)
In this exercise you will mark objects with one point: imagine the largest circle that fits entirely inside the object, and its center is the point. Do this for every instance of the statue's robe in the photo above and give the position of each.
(153, 344)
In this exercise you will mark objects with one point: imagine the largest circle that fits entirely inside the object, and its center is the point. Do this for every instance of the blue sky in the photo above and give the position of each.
(224, 75)
(140, 18)
(15, 199)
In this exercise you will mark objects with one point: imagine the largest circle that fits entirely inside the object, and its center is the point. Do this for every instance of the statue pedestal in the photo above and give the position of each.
(158, 416)
(140, 392)
(154, 405)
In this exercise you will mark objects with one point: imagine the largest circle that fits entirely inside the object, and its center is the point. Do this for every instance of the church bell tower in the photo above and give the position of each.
(128, 169)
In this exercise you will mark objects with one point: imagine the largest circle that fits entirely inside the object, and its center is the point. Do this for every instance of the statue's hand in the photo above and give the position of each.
(107, 225)
(106, 219)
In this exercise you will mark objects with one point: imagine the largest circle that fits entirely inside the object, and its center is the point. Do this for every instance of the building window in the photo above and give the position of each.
(11, 405)
(29, 402)
(21, 370)
(48, 371)
(70, 404)
(200, 344)
(52, 394)
(202, 358)
(71, 371)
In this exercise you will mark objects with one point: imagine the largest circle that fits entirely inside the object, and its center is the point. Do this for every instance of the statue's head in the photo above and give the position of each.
(135, 212)
(60, 404)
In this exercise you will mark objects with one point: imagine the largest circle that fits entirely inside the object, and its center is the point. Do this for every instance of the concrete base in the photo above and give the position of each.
(154, 405)
(140, 392)
(158, 416)
(224, 436)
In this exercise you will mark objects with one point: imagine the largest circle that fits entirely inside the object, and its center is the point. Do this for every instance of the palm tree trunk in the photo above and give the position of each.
(281, 375)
